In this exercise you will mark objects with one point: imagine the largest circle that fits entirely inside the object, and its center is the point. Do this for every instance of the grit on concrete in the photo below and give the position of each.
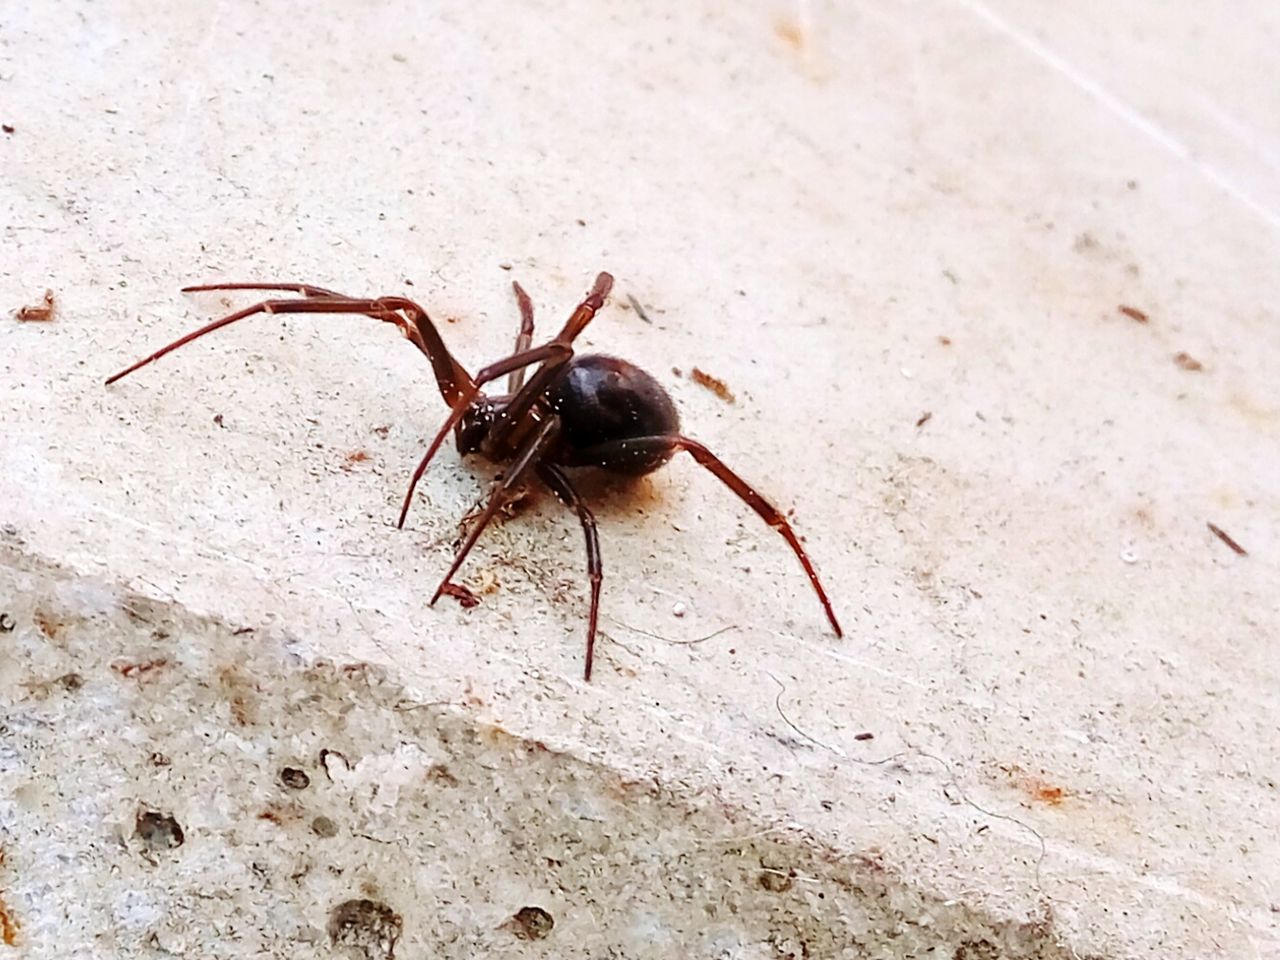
(992, 290)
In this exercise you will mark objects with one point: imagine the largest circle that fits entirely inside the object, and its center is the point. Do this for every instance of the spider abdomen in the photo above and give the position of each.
(604, 400)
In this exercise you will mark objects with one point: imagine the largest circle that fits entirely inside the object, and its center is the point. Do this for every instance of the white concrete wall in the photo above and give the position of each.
(855, 215)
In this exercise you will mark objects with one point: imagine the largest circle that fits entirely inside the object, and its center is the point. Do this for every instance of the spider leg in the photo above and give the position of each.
(642, 446)
(519, 405)
(524, 340)
(302, 289)
(554, 478)
(533, 449)
(452, 379)
(548, 351)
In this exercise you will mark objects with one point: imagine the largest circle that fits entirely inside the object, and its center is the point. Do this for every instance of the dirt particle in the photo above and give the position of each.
(635, 305)
(466, 599)
(714, 384)
(1133, 313)
(1226, 538)
(324, 827)
(530, 923)
(442, 774)
(8, 128)
(158, 759)
(158, 831)
(367, 928)
(139, 668)
(944, 340)
(924, 418)
(864, 736)
(40, 312)
(294, 778)
(1187, 362)
(383, 430)
(217, 418)
(978, 950)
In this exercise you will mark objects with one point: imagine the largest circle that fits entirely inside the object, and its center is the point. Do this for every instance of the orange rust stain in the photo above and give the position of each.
(352, 458)
(1035, 787)
(1046, 792)
(791, 33)
(8, 926)
(47, 624)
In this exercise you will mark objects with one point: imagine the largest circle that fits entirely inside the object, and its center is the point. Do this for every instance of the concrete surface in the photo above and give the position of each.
(855, 215)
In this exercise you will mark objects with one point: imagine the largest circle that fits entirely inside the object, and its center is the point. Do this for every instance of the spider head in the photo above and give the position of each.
(475, 424)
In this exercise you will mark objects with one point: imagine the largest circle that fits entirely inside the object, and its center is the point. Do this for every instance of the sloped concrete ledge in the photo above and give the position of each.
(184, 787)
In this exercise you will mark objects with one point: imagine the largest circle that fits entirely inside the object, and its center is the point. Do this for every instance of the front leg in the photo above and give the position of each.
(528, 457)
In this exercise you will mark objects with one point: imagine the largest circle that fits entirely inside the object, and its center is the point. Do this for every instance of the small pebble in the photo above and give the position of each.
(678, 609)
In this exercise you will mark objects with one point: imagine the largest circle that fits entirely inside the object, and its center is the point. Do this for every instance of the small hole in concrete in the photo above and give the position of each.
(71, 681)
(295, 779)
(7, 623)
(531, 923)
(367, 928)
(775, 881)
(324, 827)
(158, 831)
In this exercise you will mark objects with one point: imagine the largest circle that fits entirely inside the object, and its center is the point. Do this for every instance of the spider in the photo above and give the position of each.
(572, 411)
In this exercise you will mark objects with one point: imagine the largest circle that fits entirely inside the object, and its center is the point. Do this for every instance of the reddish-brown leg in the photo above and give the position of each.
(559, 484)
(620, 450)
(451, 377)
(528, 457)
(548, 351)
(518, 406)
(524, 340)
(302, 289)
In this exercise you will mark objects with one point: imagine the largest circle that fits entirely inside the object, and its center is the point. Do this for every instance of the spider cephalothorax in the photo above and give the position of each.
(573, 411)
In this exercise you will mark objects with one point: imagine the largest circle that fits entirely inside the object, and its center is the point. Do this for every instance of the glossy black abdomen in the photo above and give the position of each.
(604, 400)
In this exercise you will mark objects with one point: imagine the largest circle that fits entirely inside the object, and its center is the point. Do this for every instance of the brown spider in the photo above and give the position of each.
(574, 411)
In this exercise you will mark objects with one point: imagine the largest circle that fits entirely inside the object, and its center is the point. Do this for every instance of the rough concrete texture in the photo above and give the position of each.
(295, 804)
(992, 286)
